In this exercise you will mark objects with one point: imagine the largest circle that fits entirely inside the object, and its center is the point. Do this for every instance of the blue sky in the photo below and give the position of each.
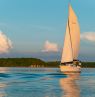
(30, 23)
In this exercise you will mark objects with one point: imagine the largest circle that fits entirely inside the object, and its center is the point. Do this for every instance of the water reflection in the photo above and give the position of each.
(69, 85)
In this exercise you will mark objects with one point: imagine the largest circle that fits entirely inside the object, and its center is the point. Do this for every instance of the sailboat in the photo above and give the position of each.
(69, 61)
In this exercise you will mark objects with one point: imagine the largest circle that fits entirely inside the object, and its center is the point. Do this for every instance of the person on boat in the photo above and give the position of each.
(77, 62)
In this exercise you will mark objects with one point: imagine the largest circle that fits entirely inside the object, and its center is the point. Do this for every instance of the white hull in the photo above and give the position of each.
(70, 69)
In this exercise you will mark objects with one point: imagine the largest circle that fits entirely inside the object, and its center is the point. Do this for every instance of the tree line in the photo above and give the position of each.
(34, 62)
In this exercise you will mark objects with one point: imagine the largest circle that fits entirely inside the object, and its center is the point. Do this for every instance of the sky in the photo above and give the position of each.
(36, 28)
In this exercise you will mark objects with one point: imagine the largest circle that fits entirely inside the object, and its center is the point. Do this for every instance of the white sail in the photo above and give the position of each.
(75, 32)
(72, 38)
(67, 50)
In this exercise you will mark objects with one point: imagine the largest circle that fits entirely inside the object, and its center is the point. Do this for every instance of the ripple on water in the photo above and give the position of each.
(4, 75)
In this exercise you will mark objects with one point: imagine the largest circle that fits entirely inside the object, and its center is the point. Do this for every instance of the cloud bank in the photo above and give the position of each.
(5, 43)
(50, 47)
(90, 36)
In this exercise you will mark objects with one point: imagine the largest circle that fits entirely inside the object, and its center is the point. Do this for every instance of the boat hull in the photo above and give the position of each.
(70, 69)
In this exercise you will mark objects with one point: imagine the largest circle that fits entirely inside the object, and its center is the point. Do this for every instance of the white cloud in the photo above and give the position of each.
(90, 36)
(50, 47)
(5, 43)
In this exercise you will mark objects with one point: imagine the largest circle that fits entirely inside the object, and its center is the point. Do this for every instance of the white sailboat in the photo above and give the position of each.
(69, 61)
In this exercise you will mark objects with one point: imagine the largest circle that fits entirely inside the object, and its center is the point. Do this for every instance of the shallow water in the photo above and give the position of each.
(46, 82)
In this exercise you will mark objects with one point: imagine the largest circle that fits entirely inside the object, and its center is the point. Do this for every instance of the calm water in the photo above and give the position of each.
(26, 82)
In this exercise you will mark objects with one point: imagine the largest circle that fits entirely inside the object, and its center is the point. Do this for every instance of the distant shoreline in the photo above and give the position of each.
(36, 63)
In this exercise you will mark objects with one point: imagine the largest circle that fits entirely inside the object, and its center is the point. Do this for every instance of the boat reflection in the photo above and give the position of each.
(2, 90)
(69, 86)
(4, 69)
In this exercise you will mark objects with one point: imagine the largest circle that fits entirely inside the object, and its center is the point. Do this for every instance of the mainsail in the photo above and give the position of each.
(72, 38)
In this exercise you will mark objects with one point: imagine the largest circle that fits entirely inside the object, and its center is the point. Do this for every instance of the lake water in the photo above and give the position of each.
(48, 82)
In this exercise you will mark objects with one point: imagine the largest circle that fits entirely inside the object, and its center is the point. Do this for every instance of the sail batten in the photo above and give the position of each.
(72, 38)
